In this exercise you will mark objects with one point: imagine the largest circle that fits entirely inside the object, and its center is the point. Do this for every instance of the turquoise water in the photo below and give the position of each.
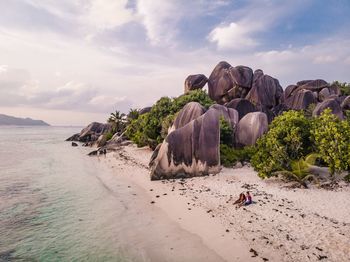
(54, 205)
(58, 204)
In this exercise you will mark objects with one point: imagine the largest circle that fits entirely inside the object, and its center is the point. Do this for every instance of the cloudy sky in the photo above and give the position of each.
(70, 62)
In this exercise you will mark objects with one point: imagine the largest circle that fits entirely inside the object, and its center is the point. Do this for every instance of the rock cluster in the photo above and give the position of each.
(315, 92)
(192, 149)
(193, 143)
(91, 134)
(248, 101)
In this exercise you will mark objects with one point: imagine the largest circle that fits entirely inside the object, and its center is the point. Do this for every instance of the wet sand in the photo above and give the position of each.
(282, 224)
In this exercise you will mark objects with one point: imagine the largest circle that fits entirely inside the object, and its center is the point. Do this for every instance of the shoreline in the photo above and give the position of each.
(283, 224)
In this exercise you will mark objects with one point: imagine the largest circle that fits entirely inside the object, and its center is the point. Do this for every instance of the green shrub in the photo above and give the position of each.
(230, 156)
(288, 139)
(109, 135)
(347, 178)
(344, 87)
(226, 132)
(151, 128)
(331, 137)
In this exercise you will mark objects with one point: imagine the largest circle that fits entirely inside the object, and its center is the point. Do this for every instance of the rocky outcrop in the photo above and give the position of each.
(345, 105)
(194, 82)
(300, 100)
(312, 85)
(192, 150)
(266, 91)
(226, 82)
(331, 103)
(220, 82)
(251, 127)
(145, 110)
(91, 133)
(188, 113)
(243, 106)
(307, 92)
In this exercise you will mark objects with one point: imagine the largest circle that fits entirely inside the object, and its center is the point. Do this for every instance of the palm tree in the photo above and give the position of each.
(300, 170)
(133, 114)
(117, 120)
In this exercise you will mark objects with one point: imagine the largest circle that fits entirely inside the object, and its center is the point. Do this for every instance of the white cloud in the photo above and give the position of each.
(160, 18)
(233, 36)
(325, 59)
(106, 14)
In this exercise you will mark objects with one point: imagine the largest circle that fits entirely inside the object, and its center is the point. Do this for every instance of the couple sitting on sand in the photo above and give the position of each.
(243, 200)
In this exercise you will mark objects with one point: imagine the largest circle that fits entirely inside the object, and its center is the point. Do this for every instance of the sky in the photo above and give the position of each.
(71, 62)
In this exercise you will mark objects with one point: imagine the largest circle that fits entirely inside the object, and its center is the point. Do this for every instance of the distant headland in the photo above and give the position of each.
(6, 120)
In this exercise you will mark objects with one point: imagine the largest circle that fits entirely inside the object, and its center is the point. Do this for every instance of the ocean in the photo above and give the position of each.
(58, 204)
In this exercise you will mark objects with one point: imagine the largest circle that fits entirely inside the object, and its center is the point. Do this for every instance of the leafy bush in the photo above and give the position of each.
(347, 178)
(151, 128)
(344, 87)
(300, 170)
(226, 132)
(109, 135)
(288, 139)
(229, 155)
(331, 137)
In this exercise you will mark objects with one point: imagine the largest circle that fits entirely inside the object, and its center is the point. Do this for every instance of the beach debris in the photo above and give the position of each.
(255, 254)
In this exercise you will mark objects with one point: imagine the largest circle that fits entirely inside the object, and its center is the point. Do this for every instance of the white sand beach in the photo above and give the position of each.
(282, 224)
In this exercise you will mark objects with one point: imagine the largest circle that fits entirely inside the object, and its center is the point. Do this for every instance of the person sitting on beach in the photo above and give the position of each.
(241, 200)
(248, 200)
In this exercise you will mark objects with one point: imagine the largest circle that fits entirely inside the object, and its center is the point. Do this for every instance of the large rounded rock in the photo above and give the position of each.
(345, 105)
(251, 127)
(312, 85)
(324, 94)
(192, 150)
(266, 90)
(194, 82)
(288, 91)
(243, 106)
(91, 133)
(220, 82)
(226, 82)
(241, 76)
(188, 113)
(145, 110)
(300, 100)
(331, 103)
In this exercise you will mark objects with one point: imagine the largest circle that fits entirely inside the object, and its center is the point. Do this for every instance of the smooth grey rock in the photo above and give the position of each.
(192, 150)
(312, 85)
(91, 133)
(251, 127)
(345, 105)
(220, 82)
(288, 91)
(243, 106)
(194, 82)
(145, 110)
(188, 113)
(300, 100)
(323, 94)
(331, 103)
(266, 91)
(241, 76)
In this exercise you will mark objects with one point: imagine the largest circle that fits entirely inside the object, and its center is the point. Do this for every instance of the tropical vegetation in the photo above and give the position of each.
(150, 129)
